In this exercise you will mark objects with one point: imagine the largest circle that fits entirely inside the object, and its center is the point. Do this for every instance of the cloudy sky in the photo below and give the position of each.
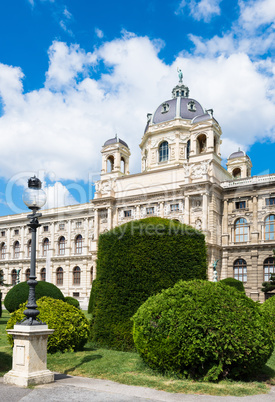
(75, 73)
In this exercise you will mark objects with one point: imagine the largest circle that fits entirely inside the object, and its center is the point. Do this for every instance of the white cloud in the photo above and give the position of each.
(99, 33)
(58, 196)
(255, 13)
(200, 9)
(61, 127)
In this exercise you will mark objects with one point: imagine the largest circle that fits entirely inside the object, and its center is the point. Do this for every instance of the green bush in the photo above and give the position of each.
(70, 324)
(234, 283)
(135, 261)
(268, 307)
(72, 301)
(203, 330)
(18, 294)
(0, 304)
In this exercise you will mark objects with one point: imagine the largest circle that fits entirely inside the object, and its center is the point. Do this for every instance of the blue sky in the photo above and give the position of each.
(75, 73)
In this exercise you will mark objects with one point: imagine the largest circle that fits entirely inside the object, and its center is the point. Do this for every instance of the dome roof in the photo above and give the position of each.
(187, 108)
(237, 154)
(115, 140)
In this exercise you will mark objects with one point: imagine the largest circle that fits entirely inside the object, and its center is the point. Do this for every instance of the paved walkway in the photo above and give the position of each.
(80, 389)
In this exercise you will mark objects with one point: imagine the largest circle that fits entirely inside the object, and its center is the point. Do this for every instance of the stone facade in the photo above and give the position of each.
(181, 178)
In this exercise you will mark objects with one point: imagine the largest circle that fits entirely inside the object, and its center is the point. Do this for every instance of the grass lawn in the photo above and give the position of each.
(128, 368)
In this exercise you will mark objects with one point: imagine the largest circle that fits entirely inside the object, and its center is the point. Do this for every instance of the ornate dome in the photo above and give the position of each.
(237, 154)
(115, 140)
(181, 106)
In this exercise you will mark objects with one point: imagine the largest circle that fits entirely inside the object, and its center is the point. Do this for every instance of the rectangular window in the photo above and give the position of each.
(270, 201)
(61, 226)
(240, 204)
(150, 211)
(78, 224)
(46, 228)
(16, 232)
(174, 207)
(128, 213)
(75, 294)
(3, 233)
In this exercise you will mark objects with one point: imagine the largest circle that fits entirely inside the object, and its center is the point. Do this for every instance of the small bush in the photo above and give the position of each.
(18, 294)
(0, 304)
(202, 329)
(70, 324)
(268, 307)
(72, 301)
(234, 283)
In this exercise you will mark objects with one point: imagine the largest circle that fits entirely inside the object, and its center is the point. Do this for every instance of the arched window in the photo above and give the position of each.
(76, 276)
(122, 165)
(110, 164)
(240, 270)
(43, 274)
(269, 227)
(16, 249)
(13, 277)
(241, 230)
(59, 276)
(3, 251)
(268, 268)
(188, 149)
(92, 274)
(27, 274)
(163, 152)
(78, 244)
(29, 248)
(46, 246)
(201, 143)
(237, 173)
(61, 245)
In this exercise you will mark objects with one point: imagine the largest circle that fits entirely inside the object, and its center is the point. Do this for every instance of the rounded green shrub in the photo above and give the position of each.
(203, 330)
(71, 300)
(268, 308)
(70, 324)
(135, 261)
(18, 294)
(234, 283)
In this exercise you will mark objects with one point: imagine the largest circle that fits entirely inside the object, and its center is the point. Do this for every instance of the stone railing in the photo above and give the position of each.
(249, 181)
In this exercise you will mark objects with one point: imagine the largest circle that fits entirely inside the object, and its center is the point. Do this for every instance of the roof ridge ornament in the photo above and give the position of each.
(180, 90)
(180, 75)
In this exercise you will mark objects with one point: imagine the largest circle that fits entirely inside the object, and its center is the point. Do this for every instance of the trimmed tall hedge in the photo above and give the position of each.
(18, 294)
(203, 330)
(137, 260)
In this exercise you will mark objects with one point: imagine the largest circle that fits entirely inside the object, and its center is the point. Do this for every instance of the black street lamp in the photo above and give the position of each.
(35, 198)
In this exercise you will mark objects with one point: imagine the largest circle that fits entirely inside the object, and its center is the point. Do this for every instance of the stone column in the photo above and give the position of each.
(161, 209)
(68, 240)
(138, 212)
(186, 210)
(204, 211)
(109, 222)
(225, 217)
(96, 225)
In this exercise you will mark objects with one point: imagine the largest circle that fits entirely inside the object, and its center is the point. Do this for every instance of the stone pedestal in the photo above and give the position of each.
(29, 363)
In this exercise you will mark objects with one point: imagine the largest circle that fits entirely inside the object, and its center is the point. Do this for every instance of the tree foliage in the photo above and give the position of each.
(136, 260)
(203, 330)
(234, 283)
(70, 324)
(18, 294)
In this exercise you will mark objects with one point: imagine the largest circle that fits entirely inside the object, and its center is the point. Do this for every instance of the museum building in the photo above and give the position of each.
(181, 178)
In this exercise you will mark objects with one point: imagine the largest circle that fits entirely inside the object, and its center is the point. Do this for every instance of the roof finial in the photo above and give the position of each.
(180, 75)
(116, 138)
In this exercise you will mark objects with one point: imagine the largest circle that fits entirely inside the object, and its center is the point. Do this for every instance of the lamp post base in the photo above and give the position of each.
(29, 363)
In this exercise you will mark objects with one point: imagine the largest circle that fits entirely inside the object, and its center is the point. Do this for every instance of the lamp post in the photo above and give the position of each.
(29, 362)
(35, 198)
